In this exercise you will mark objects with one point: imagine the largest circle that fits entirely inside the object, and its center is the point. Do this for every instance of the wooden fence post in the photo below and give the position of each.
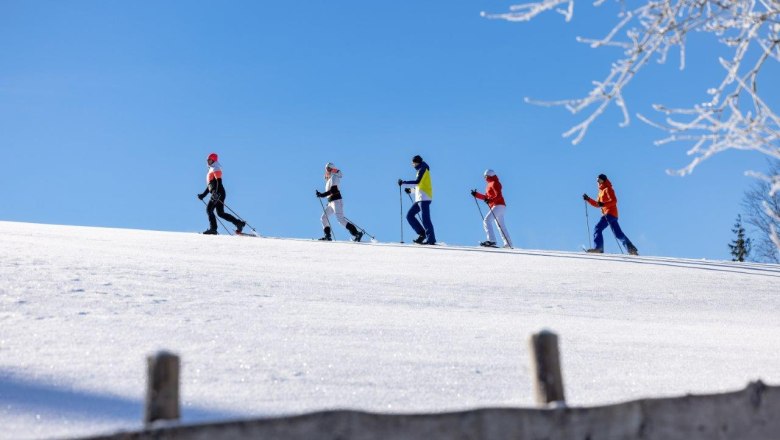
(162, 390)
(546, 368)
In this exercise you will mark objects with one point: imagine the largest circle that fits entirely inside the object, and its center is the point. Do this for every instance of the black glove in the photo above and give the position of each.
(319, 194)
(202, 195)
(585, 197)
(400, 182)
(473, 193)
(408, 190)
(487, 200)
(601, 204)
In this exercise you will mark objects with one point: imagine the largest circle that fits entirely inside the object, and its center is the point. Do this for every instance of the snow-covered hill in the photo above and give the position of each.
(273, 326)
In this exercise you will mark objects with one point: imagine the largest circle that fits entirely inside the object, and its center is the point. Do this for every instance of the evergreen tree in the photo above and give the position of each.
(740, 247)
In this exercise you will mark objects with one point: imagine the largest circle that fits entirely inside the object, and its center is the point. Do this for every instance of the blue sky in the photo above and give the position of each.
(108, 110)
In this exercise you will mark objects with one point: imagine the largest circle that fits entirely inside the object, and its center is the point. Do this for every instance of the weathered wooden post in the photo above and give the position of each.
(546, 368)
(162, 390)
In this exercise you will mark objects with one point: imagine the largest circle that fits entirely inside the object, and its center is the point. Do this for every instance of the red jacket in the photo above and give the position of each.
(492, 192)
(608, 198)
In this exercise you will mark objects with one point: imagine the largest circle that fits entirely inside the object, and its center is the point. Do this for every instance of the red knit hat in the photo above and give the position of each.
(213, 157)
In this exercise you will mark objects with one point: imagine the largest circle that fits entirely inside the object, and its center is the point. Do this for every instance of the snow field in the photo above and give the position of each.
(273, 326)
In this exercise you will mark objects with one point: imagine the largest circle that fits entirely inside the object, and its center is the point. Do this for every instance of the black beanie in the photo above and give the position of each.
(417, 159)
(603, 176)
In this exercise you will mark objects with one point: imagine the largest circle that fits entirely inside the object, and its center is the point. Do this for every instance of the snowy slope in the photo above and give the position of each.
(270, 326)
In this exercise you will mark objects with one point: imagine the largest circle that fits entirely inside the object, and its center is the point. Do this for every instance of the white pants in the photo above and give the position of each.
(497, 215)
(334, 207)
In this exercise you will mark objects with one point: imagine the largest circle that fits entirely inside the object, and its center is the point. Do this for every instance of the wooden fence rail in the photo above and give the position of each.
(752, 413)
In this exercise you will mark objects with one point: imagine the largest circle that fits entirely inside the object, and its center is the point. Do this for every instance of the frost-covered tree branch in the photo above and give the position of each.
(761, 205)
(734, 115)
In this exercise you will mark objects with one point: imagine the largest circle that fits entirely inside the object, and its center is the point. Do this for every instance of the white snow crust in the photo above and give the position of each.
(270, 327)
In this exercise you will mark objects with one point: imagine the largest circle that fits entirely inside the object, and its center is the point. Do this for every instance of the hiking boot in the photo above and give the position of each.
(356, 238)
(633, 251)
(595, 251)
(326, 237)
(419, 239)
(240, 227)
(488, 243)
(210, 232)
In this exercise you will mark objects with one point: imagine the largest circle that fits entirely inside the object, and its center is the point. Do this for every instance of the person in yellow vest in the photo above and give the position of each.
(423, 195)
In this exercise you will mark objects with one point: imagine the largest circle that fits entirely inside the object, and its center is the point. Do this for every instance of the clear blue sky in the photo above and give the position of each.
(108, 110)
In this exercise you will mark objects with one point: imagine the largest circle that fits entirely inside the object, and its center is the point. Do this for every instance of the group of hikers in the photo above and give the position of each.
(422, 188)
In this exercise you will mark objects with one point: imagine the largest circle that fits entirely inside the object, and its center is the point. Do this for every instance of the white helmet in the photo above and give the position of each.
(489, 173)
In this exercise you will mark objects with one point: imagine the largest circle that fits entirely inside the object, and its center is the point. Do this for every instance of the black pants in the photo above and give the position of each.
(216, 202)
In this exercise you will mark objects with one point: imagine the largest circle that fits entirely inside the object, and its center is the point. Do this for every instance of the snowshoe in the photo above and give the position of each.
(327, 236)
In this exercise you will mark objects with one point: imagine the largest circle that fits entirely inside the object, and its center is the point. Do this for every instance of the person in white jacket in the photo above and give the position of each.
(335, 204)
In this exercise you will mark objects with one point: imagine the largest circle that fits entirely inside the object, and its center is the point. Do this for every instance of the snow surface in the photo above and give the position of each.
(273, 326)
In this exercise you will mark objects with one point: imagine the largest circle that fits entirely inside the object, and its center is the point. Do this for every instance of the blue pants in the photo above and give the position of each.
(426, 228)
(612, 222)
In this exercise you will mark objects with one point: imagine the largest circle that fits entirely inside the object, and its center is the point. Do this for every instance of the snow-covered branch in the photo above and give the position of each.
(735, 116)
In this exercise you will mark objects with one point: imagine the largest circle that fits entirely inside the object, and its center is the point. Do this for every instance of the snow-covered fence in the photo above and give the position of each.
(751, 413)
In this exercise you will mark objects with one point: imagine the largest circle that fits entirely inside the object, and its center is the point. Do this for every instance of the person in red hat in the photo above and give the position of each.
(218, 196)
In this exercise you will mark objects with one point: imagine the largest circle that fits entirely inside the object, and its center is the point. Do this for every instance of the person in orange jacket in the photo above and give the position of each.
(607, 201)
(495, 200)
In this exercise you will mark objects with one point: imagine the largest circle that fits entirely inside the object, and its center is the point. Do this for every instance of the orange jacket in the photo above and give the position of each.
(492, 192)
(608, 198)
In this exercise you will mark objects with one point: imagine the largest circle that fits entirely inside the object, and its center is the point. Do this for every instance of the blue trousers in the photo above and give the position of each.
(612, 222)
(426, 228)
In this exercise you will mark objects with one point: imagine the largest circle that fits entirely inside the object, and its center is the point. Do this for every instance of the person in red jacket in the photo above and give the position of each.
(607, 201)
(495, 200)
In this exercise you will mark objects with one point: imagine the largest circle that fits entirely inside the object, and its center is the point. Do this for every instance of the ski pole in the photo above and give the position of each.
(610, 227)
(587, 220)
(219, 220)
(616, 239)
(618, 243)
(500, 229)
(238, 216)
(325, 213)
(401, 212)
(419, 216)
(363, 230)
(480, 209)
